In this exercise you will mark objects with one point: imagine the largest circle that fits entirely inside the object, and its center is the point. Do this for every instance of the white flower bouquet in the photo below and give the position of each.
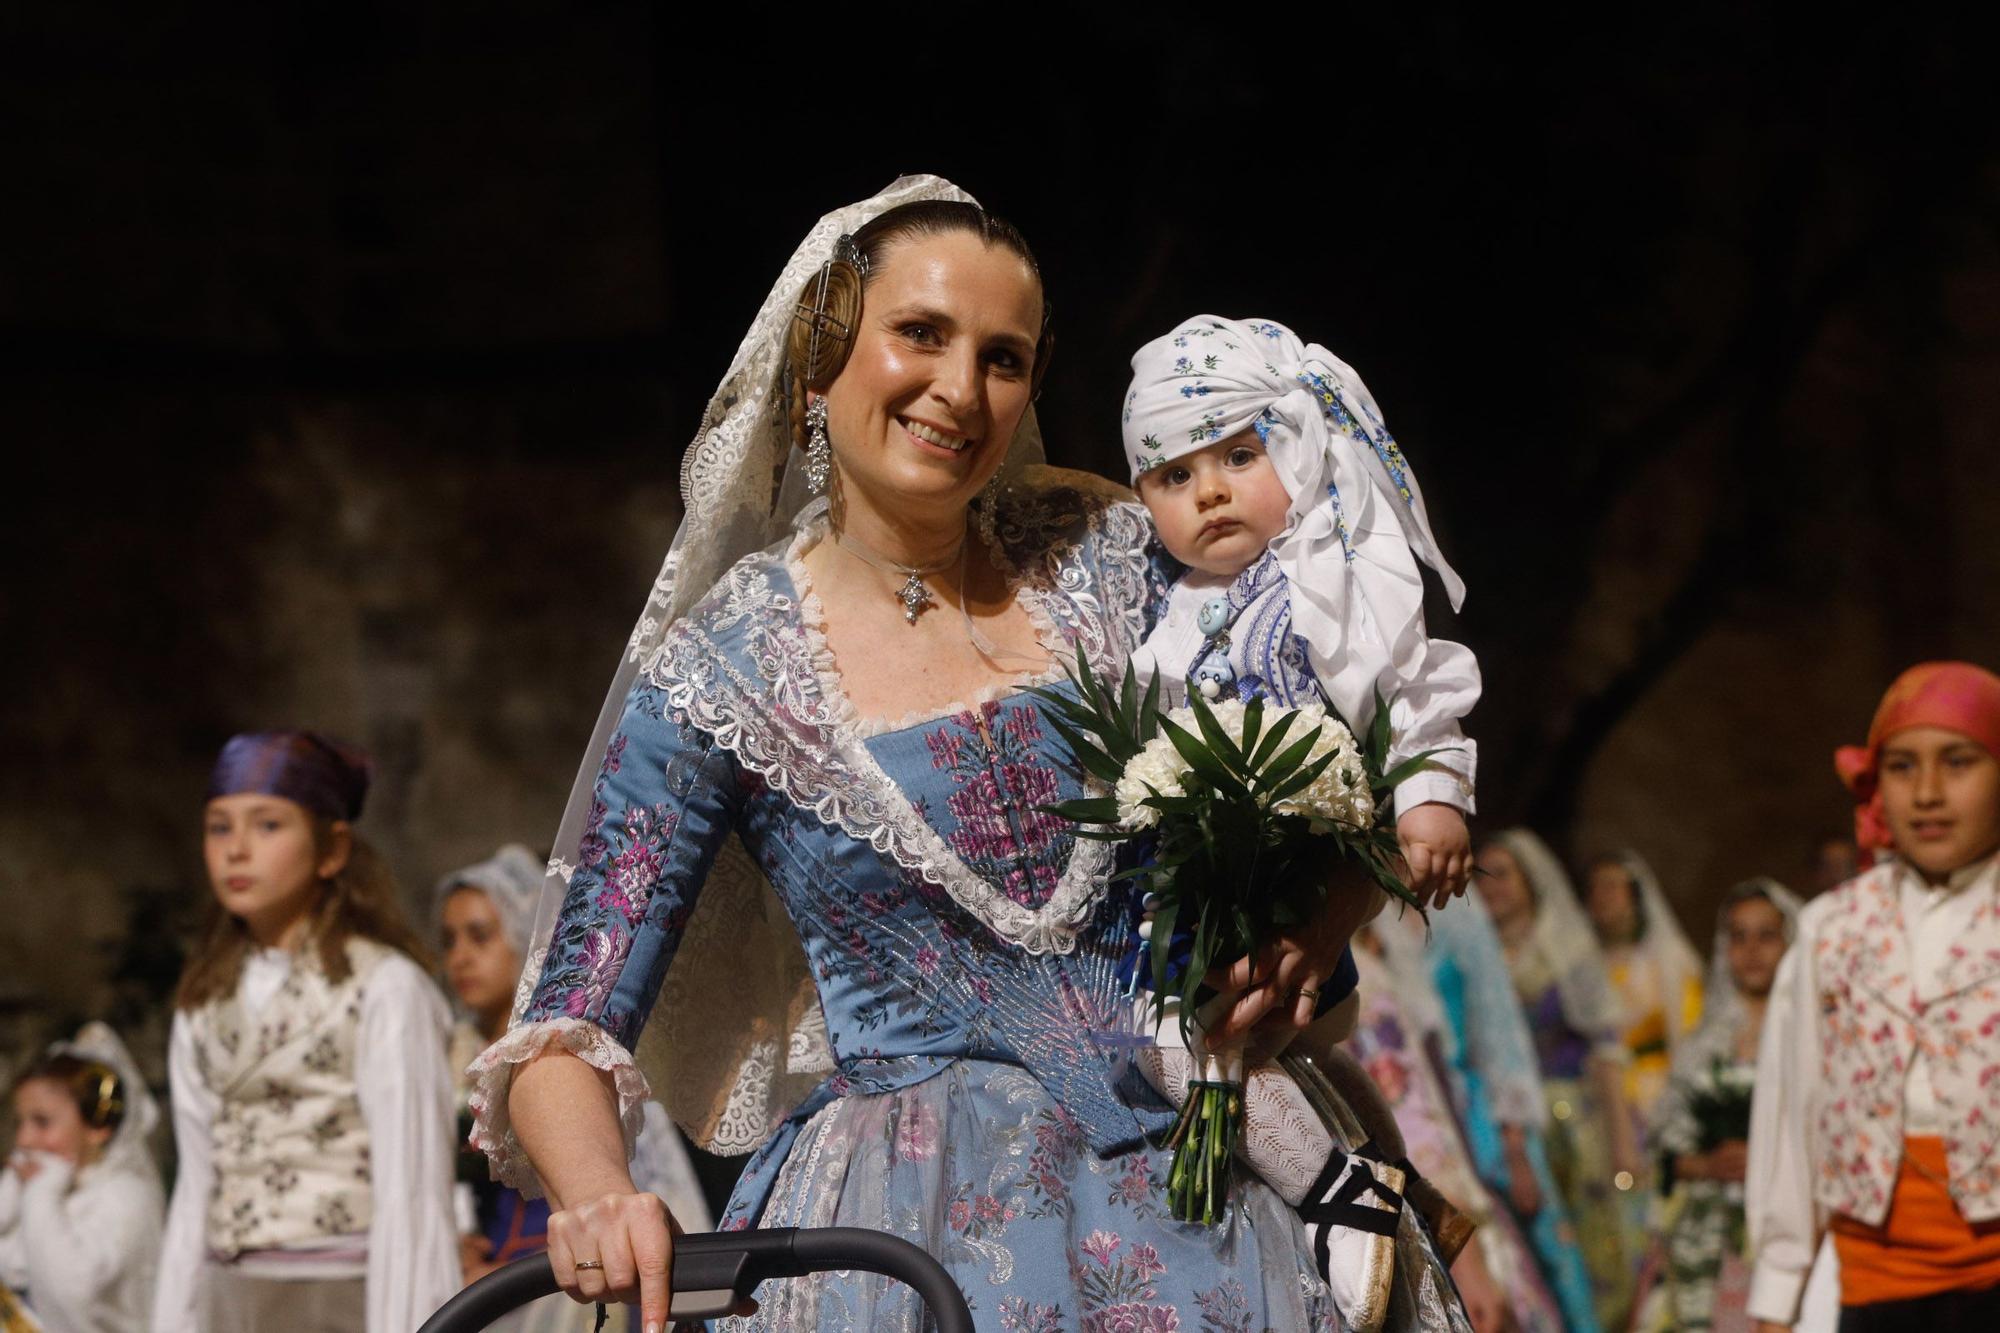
(1238, 817)
(1720, 1104)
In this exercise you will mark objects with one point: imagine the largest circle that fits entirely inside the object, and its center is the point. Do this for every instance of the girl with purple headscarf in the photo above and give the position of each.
(311, 1099)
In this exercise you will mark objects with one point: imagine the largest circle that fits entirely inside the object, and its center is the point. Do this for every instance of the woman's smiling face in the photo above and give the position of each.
(940, 375)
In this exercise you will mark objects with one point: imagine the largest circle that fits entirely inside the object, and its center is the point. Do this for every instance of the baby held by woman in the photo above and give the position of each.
(1298, 524)
(1297, 527)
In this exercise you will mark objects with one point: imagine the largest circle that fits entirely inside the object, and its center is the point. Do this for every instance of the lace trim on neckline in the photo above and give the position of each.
(847, 718)
(768, 706)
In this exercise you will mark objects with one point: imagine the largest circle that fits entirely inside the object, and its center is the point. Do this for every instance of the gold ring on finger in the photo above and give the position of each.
(585, 1265)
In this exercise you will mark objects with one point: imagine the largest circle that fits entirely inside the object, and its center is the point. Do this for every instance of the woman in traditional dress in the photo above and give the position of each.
(80, 1200)
(1490, 1063)
(312, 1102)
(1400, 1038)
(1701, 1125)
(833, 710)
(1653, 969)
(484, 913)
(1577, 1023)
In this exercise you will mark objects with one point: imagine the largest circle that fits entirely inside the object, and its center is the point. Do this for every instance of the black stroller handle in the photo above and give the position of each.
(715, 1270)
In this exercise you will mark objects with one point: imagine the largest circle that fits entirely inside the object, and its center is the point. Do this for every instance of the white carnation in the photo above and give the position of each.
(1160, 768)
(1340, 794)
(1228, 714)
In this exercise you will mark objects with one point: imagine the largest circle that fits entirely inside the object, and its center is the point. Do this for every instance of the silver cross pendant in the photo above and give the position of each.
(914, 597)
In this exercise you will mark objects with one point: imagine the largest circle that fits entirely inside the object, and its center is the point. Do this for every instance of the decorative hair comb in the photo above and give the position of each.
(846, 251)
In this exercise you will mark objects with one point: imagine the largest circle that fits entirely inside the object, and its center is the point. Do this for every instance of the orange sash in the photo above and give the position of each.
(1924, 1246)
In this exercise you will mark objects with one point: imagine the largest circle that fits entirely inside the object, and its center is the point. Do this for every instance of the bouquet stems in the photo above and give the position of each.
(1203, 1139)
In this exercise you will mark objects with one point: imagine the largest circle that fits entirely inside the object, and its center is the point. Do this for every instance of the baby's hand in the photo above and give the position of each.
(1438, 848)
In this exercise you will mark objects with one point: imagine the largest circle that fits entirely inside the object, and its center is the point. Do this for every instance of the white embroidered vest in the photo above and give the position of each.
(290, 1146)
(1874, 1017)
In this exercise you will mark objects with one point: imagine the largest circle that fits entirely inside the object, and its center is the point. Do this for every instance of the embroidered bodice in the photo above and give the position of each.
(942, 913)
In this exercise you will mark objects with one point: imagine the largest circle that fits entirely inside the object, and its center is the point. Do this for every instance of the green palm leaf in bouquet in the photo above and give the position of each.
(1249, 813)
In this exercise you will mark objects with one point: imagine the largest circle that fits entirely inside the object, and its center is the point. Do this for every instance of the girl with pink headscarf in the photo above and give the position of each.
(1876, 1076)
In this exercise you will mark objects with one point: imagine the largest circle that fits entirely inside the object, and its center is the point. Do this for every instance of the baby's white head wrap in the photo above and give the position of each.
(1357, 525)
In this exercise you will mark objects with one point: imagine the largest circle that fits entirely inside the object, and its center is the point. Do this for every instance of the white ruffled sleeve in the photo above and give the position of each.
(184, 1248)
(492, 1075)
(403, 1083)
(1783, 1221)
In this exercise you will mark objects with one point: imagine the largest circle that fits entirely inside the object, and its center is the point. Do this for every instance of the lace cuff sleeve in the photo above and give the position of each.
(492, 1075)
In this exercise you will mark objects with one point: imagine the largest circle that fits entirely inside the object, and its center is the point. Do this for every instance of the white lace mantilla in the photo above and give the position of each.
(792, 723)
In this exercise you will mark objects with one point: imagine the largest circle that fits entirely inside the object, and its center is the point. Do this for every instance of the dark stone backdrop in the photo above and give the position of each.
(349, 351)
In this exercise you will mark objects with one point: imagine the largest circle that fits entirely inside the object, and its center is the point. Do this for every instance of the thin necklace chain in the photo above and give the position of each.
(915, 594)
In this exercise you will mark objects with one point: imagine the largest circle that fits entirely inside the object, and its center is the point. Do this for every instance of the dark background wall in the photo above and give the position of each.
(349, 352)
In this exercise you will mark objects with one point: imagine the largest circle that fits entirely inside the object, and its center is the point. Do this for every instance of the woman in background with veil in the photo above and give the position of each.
(1701, 1124)
(1576, 1021)
(808, 842)
(1653, 968)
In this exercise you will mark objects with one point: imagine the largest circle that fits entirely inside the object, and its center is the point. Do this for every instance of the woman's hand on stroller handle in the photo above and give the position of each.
(718, 1271)
(619, 1247)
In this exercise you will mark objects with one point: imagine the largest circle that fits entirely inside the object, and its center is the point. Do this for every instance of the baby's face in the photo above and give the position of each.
(1218, 507)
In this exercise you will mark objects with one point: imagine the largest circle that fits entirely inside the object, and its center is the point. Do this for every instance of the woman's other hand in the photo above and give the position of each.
(1290, 971)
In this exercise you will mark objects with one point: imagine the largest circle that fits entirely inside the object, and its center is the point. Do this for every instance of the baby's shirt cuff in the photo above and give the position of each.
(1434, 784)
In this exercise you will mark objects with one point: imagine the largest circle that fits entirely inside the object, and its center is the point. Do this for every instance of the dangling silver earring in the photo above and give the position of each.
(819, 449)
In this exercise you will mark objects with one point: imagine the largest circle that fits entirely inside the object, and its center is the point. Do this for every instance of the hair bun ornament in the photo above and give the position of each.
(825, 316)
(110, 1098)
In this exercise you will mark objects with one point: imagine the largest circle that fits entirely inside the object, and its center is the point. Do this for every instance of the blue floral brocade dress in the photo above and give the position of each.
(965, 949)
